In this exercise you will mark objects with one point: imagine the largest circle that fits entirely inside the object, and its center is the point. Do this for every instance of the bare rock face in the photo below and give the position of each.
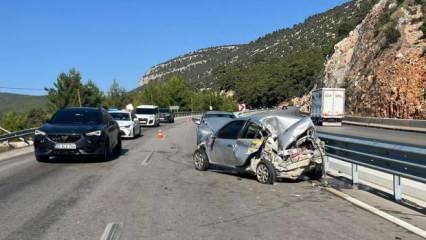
(382, 79)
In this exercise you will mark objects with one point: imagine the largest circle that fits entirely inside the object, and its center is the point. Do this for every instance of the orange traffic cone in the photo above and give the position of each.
(160, 134)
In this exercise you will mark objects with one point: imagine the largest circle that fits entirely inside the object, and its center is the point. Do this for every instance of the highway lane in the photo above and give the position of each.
(153, 192)
(386, 135)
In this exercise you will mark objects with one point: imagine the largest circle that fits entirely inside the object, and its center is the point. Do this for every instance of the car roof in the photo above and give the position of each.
(147, 106)
(118, 111)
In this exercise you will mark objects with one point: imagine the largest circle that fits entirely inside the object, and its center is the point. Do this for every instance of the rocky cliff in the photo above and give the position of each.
(382, 62)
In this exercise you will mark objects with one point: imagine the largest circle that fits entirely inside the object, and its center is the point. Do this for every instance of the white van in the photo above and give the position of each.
(148, 115)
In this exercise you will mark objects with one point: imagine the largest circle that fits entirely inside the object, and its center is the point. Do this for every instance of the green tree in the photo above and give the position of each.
(91, 95)
(65, 91)
(116, 96)
(14, 121)
(36, 117)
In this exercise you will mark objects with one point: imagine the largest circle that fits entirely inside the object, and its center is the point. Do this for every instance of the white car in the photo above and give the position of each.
(128, 122)
(148, 115)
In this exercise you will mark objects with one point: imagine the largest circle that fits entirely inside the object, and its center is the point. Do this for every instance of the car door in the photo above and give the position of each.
(225, 142)
(248, 143)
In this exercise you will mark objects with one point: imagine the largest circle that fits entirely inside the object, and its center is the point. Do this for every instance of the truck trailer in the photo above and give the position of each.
(328, 106)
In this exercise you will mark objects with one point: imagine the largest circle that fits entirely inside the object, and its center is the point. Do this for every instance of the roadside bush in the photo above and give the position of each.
(14, 121)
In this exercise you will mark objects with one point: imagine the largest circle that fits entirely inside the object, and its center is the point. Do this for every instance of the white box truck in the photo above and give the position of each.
(328, 106)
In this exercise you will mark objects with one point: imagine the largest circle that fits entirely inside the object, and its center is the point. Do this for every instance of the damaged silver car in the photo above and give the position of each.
(268, 145)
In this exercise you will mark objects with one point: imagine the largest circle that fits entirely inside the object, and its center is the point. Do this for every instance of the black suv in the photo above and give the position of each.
(76, 132)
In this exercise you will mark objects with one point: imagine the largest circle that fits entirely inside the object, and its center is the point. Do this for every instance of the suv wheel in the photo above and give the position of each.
(106, 156)
(42, 158)
(117, 149)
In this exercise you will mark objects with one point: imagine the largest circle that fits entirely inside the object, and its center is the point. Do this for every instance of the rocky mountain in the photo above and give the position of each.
(382, 63)
(318, 32)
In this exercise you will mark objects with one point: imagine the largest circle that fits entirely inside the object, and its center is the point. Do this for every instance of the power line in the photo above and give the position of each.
(19, 88)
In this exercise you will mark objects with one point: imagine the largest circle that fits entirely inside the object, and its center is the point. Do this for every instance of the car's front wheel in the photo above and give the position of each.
(106, 156)
(201, 161)
(265, 172)
(42, 158)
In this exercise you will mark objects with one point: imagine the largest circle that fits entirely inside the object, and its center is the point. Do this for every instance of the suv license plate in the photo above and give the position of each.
(65, 146)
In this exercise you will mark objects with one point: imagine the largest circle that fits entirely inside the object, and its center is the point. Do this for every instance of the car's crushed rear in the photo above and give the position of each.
(291, 147)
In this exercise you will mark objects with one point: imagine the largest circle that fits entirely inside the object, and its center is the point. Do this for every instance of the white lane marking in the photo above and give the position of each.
(147, 159)
(378, 212)
(111, 232)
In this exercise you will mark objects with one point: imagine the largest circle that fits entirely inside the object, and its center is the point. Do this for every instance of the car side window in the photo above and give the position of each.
(133, 117)
(252, 131)
(231, 130)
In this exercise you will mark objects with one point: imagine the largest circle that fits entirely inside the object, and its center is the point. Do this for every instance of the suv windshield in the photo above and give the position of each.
(164, 110)
(146, 110)
(118, 116)
(77, 116)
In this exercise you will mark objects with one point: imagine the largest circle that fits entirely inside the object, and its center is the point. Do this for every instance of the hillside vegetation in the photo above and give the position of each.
(273, 68)
(20, 103)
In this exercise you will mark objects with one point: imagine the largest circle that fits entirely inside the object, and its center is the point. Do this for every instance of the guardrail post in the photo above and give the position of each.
(397, 188)
(326, 164)
(355, 178)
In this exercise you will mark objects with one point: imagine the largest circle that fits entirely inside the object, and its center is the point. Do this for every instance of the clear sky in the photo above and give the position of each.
(121, 39)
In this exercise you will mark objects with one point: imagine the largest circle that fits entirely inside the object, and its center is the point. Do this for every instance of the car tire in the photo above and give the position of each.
(201, 161)
(317, 172)
(118, 147)
(265, 172)
(42, 158)
(106, 156)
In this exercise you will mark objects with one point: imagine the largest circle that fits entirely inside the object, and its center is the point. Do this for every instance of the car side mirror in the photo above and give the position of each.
(197, 121)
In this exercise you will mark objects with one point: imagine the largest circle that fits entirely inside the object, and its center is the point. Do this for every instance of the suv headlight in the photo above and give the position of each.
(38, 132)
(127, 126)
(94, 133)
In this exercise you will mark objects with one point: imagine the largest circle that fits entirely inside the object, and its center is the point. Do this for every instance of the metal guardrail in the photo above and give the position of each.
(187, 114)
(19, 134)
(398, 160)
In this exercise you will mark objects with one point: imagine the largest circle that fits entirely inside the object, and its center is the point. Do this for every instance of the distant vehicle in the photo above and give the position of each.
(266, 145)
(217, 118)
(128, 122)
(78, 131)
(148, 115)
(166, 115)
(328, 106)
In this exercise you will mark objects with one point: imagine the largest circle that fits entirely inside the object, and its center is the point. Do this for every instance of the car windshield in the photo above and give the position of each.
(146, 110)
(164, 110)
(77, 116)
(118, 116)
(212, 115)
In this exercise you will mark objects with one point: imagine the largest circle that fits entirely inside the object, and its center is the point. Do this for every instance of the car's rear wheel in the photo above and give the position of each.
(42, 158)
(317, 172)
(265, 172)
(201, 161)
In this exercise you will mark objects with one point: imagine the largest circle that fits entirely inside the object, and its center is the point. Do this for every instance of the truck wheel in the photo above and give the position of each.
(201, 161)
(265, 172)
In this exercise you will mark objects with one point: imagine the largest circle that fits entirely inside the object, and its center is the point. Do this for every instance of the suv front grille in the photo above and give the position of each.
(64, 138)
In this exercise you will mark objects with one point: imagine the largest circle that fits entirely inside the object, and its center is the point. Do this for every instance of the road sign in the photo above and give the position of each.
(241, 107)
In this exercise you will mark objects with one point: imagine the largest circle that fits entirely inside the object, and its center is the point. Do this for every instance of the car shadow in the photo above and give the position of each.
(84, 159)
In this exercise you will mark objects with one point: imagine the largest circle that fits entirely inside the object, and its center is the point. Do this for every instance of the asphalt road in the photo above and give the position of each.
(163, 197)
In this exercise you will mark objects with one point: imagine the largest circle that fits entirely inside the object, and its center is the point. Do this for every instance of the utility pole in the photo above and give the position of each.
(78, 95)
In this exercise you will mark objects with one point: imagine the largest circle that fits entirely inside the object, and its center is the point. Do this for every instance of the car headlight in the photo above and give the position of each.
(94, 133)
(127, 126)
(38, 132)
